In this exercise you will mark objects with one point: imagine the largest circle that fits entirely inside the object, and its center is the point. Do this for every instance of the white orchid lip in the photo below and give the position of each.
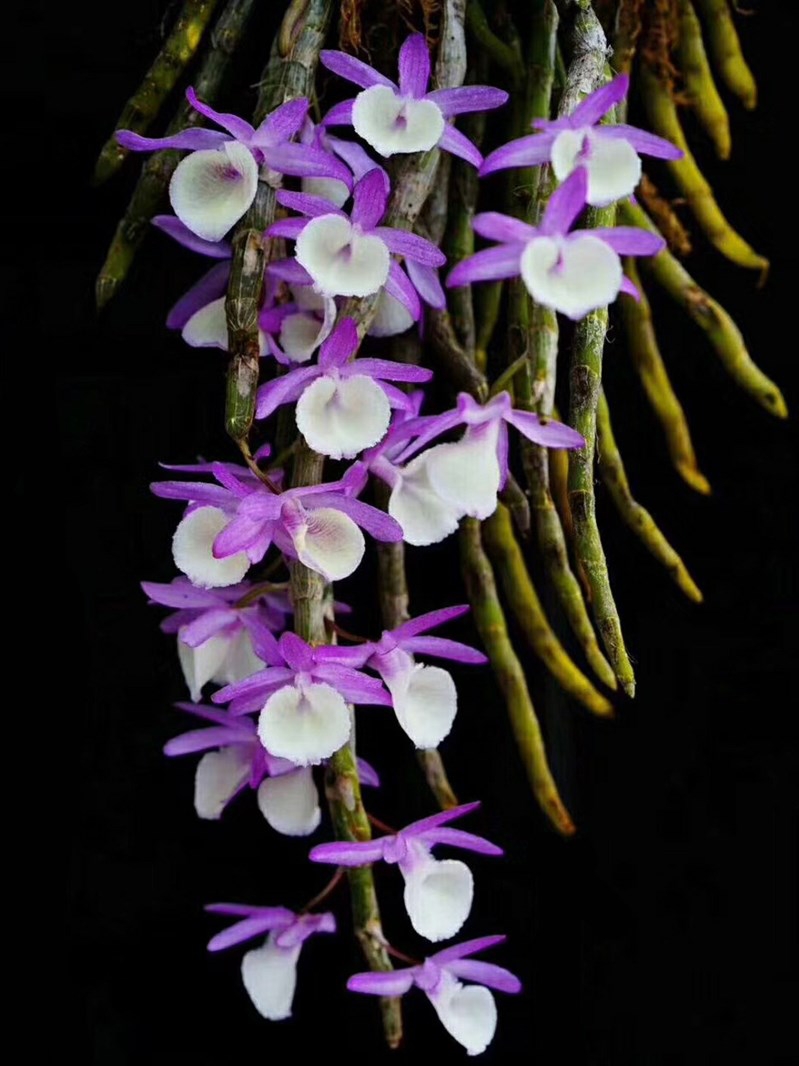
(573, 276)
(612, 164)
(438, 896)
(425, 517)
(200, 664)
(391, 123)
(269, 974)
(212, 188)
(467, 474)
(299, 336)
(304, 723)
(192, 550)
(425, 702)
(342, 260)
(290, 802)
(467, 1012)
(329, 542)
(218, 777)
(340, 417)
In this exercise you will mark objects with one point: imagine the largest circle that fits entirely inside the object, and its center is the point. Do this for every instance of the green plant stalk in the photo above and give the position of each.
(159, 81)
(342, 784)
(504, 55)
(640, 521)
(490, 621)
(699, 84)
(288, 75)
(626, 31)
(151, 188)
(521, 597)
(691, 181)
(710, 316)
(540, 327)
(725, 47)
(648, 363)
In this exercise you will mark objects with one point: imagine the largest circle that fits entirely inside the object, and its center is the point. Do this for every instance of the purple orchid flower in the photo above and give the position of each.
(438, 894)
(573, 273)
(212, 187)
(349, 152)
(269, 972)
(406, 117)
(234, 758)
(424, 698)
(342, 406)
(231, 525)
(302, 696)
(609, 153)
(214, 632)
(350, 255)
(432, 489)
(468, 1013)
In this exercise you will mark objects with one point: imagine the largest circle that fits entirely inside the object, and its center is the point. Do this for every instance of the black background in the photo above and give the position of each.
(663, 933)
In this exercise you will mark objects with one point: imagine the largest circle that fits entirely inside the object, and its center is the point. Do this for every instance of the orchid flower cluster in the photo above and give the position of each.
(282, 706)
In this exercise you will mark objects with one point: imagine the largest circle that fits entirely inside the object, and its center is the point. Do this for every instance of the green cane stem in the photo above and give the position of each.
(490, 621)
(700, 86)
(640, 521)
(523, 600)
(150, 192)
(710, 316)
(648, 362)
(691, 181)
(725, 48)
(159, 81)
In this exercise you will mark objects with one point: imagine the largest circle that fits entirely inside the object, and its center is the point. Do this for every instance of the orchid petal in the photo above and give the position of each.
(391, 318)
(305, 204)
(234, 125)
(425, 703)
(456, 143)
(444, 648)
(425, 280)
(414, 66)
(283, 389)
(331, 189)
(630, 240)
(411, 245)
(290, 803)
(530, 151)
(210, 287)
(352, 69)
(219, 776)
(390, 370)
(270, 978)
(392, 124)
(211, 190)
(438, 896)
(330, 543)
(339, 114)
(425, 517)
(376, 522)
(545, 431)
(304, 161)
(565, 203)
(486, 973)
(193, 140)
(299, 336)
(304, 724)
(207, 328)
(199, 664)
(341, 261)
(181, 233)
(192, 551)
(348, 853)
(240, 662)
(467, 473)
(369, 198)
(643, 142)
(339, 418)
(629, 288)
(399, 287)
(342, 343)
(490, 264)
(393, 983)
(503, 228)
(574, 276)
(459, 838)
(468, 1013)
(281, 124)
(600, 102)
(465, 98)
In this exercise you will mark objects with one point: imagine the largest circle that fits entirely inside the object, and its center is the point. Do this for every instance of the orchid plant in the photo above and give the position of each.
(361, 271)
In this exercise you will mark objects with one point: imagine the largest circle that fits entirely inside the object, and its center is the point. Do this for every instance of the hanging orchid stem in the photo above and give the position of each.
(151, 187)
(522, 598)
(392, 586)
(627, 30)
(648, 362)
(700, 86)
(342, 784)
(490, 621)
(725, 47)
(640, 521)
(721, 331)
(662, 113)
(540, 344)
(668, 221)
(505, 56)
(263, 589)
(288, 76)
(159, 81)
